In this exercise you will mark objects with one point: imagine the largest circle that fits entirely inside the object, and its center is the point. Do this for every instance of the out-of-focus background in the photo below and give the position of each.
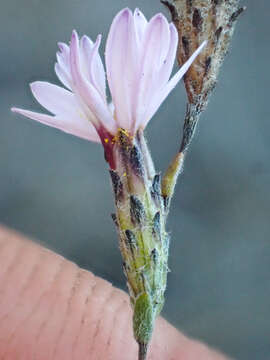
(55, 187)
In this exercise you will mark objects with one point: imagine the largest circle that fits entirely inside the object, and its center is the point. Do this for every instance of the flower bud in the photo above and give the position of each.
(196, 21)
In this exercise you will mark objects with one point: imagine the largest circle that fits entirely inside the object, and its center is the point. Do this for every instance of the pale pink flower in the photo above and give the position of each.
(139, 61)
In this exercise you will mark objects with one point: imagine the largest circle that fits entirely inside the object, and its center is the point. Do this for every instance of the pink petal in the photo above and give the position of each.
(63, 56)
(140, 23)
(171, 85)
(93, 63)
(156, 47)
(167, 66)
(62, 67)
(54, 98)
(76, 126)
(156, 42)
(87, 92)
(121, 62)
(63, 76)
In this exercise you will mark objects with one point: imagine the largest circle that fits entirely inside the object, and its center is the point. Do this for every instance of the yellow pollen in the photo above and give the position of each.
(106, 140)
(125, 174)
(123, 131)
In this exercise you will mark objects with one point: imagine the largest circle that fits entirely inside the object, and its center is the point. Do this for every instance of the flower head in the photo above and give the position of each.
(139, 61)
(211, 20)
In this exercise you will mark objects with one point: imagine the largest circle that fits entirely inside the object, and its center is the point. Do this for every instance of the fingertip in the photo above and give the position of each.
(81, 316)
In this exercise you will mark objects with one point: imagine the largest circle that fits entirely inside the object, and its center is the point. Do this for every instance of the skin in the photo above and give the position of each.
(52, 309)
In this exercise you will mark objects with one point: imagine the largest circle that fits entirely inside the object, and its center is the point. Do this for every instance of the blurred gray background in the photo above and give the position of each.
(55, 187)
